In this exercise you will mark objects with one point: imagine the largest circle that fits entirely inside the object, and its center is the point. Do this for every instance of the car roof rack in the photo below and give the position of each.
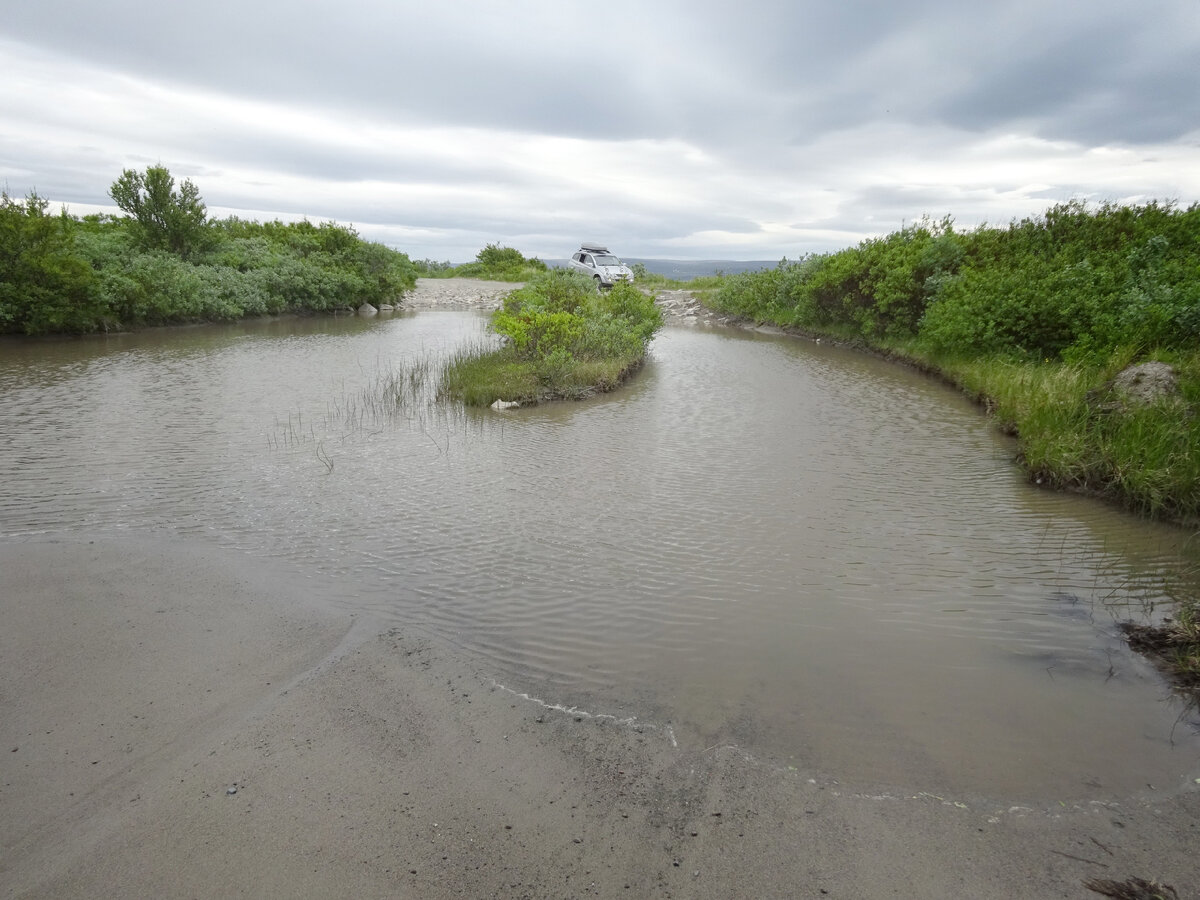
(593, 248)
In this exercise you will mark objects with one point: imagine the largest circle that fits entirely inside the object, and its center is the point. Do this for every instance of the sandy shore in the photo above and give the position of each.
(182, 721)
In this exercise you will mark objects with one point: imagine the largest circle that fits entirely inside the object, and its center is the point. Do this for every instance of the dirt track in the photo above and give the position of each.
(678, 306)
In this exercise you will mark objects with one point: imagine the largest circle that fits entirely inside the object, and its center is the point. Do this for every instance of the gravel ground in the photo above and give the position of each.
(679, 307)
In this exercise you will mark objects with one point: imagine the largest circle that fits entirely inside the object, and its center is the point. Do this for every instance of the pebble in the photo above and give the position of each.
(457, 293)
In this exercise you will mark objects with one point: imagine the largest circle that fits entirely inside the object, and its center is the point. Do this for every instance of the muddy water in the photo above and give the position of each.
(825, 560)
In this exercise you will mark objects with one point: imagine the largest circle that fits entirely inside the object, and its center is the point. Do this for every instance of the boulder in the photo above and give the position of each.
(367, 310)
(1146, 383)
(1138, 385)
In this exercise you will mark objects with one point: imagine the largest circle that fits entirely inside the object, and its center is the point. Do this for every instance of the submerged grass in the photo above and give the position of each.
(392, 394)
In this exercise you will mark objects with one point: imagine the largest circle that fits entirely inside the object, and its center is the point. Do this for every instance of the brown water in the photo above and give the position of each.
(822, 558)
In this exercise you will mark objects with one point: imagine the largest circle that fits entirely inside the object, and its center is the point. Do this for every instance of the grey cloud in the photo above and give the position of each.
(773, 95)
(770, 70)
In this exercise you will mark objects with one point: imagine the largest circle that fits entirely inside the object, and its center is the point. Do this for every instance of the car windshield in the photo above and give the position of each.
(607, 259)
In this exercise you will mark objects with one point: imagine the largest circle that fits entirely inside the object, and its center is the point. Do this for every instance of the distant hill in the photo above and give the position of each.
(687, 269)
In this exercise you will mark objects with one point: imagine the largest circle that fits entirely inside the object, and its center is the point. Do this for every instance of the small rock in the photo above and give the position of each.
(506, 404)
(1137, 385)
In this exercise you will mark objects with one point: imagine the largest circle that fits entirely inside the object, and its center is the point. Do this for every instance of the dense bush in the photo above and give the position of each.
(1071, 284)
(63, 274)
(44, 284)
(432, 268)
(497, 263)
(562, 312)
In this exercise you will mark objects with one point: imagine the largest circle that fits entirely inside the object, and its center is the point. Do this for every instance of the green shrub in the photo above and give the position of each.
(61, 274)
(563, 339)
(164, 218)
(45, 285)
(496, 263)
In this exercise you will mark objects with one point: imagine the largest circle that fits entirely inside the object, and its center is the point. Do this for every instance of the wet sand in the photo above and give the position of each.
(184, 721)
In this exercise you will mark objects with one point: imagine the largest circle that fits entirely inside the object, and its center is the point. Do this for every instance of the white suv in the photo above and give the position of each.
(596, 261)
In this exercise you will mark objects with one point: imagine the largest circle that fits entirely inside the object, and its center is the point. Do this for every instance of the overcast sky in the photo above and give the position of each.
(698, 130)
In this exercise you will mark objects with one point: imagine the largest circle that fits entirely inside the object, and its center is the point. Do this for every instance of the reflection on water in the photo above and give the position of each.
(824, 558)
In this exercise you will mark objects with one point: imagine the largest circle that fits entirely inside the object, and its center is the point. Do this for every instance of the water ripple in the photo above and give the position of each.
(755, 535)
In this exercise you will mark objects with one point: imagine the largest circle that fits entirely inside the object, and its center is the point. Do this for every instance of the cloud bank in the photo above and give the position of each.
(695, 130)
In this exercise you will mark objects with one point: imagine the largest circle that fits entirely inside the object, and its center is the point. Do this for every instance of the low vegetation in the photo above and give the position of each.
(166, 262)
(561, 339)
(492, 263)
(702, 287)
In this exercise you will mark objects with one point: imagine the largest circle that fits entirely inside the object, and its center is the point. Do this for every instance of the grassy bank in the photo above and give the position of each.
(1076, 431)
(562, 339)
(1034, 320)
